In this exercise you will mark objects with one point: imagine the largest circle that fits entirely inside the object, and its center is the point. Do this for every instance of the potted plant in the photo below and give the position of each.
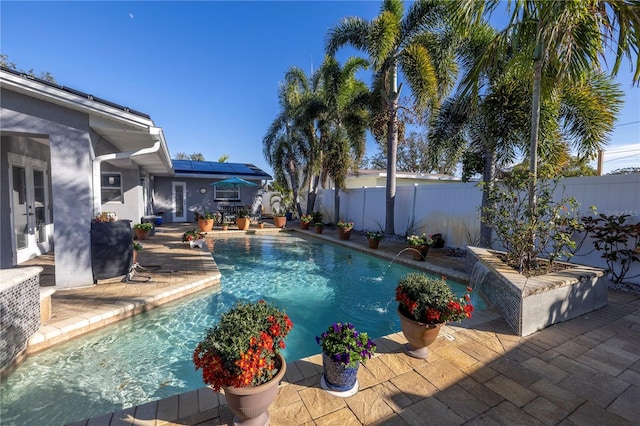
(241, 355)
(261, 224)
(344, 229)
(374, 238)
(279, 218)
(343, 349)
(419, 245)
(319, 227)
(194, 237)
(242, 219)
(142, 230)
(225, 225)
(206, 220)
(438, 241)
(136, 248)
(424, 304)
(305, 221)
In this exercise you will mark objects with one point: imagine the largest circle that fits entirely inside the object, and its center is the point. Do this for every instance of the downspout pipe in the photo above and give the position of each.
(97, 193)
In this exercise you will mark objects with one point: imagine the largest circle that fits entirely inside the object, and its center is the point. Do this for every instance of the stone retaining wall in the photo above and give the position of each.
(19, 312)
(531, 304)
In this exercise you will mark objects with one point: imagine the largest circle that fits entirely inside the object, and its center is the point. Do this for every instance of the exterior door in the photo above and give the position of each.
(179, 202)
(31, 221)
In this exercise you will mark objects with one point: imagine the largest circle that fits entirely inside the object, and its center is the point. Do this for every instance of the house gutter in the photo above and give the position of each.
(97, 161)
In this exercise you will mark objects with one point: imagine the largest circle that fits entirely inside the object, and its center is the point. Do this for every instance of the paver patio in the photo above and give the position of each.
(581, 372)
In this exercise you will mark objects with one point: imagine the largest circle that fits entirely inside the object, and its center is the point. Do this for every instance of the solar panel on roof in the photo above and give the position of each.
(200, 166)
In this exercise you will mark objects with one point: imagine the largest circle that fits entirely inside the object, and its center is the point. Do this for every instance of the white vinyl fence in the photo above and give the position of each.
(452, 209)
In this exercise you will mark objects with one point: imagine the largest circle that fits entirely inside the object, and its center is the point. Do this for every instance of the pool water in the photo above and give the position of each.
(148, 356)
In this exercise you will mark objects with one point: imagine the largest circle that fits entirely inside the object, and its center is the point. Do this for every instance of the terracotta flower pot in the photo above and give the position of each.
(251, 404)
(418, 335)
(318, 229)
(142, 234)
(344, 233)
(305, 225)
(205, 225)
(243, 223)
(419, 252)
(373, 243)
(279, 221)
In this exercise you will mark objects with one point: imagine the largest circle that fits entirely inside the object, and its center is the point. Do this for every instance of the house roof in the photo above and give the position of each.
(213, 169)
(126, 129)
(403, 175)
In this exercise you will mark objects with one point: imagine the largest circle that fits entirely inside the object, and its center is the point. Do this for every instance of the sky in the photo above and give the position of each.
(207, 72)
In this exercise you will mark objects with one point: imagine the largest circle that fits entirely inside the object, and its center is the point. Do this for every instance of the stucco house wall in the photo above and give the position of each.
(196, 201)
(44, 122)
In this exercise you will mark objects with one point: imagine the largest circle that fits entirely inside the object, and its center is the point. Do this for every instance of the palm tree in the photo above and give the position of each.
(564, 39)
(289, 144)
(344, 120)
(394, 40)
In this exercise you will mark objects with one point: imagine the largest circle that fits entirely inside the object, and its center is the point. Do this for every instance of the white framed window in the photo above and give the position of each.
(111, 187)
(226, 194)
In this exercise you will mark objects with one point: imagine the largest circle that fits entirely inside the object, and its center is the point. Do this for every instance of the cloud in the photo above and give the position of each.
(131, 15)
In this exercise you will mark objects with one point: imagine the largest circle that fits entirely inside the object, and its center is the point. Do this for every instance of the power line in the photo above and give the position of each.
(626, 124)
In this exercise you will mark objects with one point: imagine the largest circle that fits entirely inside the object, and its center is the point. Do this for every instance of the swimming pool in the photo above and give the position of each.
(148, 356)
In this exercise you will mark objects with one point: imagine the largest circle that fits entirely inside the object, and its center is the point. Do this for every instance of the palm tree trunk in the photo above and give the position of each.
(313, 193)
(488, 178)
(533, 148)
(336, 204)
(392, 153)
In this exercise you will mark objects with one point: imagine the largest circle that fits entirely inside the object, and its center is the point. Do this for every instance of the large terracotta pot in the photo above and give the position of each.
(205, 225)
(419, 252)
(142, 234)
(251, 404)
(305, 225)
(418, 335)
(337, 377)
(373, 243)
(279, 221)
(344, 234)
(243, 223)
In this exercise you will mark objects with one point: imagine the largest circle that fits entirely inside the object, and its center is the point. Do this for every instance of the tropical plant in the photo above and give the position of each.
(242, 212)
(346, 345)
(490, 131)
(207, 215)
(562, 41)
(420, 47)
(283, 199)
(291, 145)
(347, 226)
(143, 226)
(241, 350)
(617, 239)
(553, 225)
(192, 235)
(374, 235)
(420, 240)
(342, 120)
(105, 217)
(430, 300)
(317, 216)
(306, 218)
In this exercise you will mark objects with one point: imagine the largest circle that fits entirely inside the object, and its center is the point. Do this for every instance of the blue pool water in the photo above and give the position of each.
(148, 356)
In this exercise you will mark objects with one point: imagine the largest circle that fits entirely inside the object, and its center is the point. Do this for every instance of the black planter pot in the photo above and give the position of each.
(111, 249)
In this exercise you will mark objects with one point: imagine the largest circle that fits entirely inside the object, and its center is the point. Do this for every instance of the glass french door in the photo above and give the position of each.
(32, 229)
(179, 202)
